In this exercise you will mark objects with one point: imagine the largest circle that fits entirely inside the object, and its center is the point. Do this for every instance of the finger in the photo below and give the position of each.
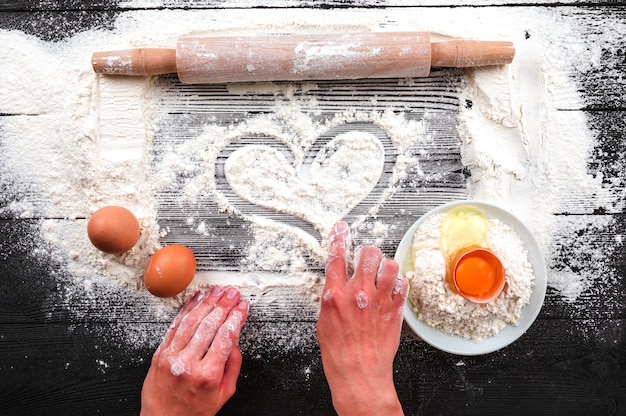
(338, 241)
(226, 339)
(209, 326)
(387, 276)
(190, 322)
(398, 297)
(368, 263)
(336, 262)
(400, 290)
(231, 371)
(187, 307)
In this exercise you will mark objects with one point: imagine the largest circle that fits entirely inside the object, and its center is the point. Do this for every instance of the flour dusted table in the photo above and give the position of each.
(572, 361)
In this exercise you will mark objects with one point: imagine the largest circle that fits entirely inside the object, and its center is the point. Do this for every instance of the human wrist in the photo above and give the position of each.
(364, 402)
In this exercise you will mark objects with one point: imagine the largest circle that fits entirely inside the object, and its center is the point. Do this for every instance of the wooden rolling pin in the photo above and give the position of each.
(254, 58)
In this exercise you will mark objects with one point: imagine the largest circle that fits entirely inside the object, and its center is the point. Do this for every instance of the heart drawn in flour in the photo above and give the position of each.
(320, 190)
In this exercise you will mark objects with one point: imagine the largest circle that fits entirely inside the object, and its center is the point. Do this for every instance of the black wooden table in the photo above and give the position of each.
(572, 361)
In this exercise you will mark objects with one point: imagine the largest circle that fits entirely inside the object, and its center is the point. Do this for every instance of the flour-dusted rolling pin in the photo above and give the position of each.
(254, 58)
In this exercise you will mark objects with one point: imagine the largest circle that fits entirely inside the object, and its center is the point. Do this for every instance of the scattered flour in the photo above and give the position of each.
(437, 305)
(73, 142)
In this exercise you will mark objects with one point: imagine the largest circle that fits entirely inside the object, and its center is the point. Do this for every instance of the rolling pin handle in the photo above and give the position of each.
(471, 53)
(141, 62)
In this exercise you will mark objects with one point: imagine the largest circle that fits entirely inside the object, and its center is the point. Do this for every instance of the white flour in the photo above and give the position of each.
(75, 141)
(326, 192)
(437, 305)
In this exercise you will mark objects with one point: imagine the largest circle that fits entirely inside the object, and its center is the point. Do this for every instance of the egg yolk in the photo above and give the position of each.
(475, 275)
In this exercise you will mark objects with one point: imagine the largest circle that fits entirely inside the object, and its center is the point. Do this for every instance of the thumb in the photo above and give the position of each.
(231, 371)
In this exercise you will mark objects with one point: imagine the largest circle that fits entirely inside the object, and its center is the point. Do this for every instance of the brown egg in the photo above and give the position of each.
(170, 270)
(113, 229)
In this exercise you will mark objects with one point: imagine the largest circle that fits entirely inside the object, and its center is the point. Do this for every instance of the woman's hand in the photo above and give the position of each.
(359, 328)
(195, 369)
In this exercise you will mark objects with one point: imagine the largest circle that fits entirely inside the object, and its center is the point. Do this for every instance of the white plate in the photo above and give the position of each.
(461, 346)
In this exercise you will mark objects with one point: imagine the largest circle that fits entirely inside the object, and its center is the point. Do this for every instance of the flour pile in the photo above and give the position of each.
(437, 306)
(73, 142)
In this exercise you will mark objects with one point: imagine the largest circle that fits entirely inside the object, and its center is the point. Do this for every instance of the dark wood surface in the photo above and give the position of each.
(572, 361)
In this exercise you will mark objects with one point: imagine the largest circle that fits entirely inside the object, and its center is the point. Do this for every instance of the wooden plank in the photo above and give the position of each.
(55, 24)
(521, 378)
(573, 365)
(601, 82)
(53, 369)
(606, 160)
(603, 85)
(335, 97)
(97, 5)
(39, 295)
